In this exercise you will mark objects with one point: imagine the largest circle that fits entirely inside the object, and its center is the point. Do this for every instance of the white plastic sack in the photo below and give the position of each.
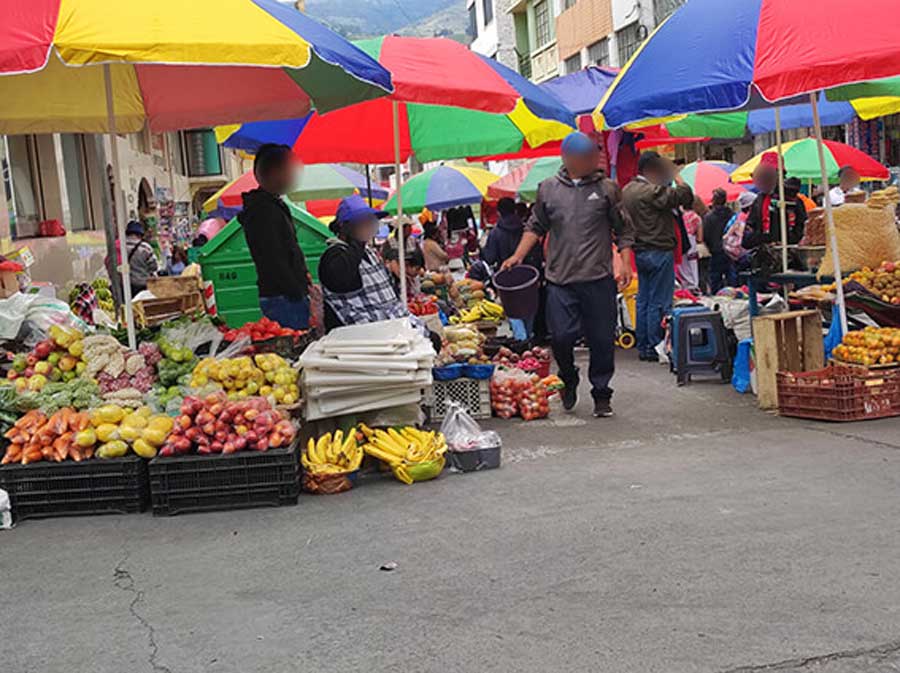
(40, 312)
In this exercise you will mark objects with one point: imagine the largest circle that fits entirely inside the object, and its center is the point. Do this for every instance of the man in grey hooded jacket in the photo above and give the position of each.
(578, 211)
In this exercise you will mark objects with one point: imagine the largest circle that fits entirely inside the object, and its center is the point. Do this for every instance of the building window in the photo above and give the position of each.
(568, 3)
(472, 30)
(663, 8)
(573, 63)
(202, 153)
(22, 182)
(628, 39)
(598, 53)
(488, 10)
(77, 182)
(542, 23)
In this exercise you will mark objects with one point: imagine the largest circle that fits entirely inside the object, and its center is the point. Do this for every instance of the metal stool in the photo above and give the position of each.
(702, 346)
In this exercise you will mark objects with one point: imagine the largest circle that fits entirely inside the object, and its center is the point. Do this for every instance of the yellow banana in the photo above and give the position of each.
(389, 442)
(368, 433)
(402, 474)
(382, 455)
(321, 448)
(336, 443)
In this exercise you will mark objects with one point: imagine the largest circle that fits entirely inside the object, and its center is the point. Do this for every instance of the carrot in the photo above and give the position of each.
(75, 453)
(82, 421)
(13, 454)
(32, 455)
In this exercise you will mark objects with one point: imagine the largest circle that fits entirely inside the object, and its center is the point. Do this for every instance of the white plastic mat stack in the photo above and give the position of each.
(364, 367)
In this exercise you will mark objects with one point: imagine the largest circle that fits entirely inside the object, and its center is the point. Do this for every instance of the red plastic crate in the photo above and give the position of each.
(839, 393)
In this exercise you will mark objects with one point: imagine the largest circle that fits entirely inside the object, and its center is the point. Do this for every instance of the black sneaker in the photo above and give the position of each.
(602, 409)
(569, 397)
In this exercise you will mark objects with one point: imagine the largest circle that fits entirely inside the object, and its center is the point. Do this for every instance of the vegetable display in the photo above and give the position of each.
(462, 344)
(115, 429)
(216, 424)
(883, 282)
(35, 437)
(264, 374)
(124, 376)
(412, 454)
(261, 330)
(482, 310)
(513, 392)
(870, 346)
(423, 305)
(332, 453)
(60, 357)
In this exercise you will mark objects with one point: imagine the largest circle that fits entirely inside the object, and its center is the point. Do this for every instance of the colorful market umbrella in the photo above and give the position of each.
(801, 161)
(524, 180)
(580, 91)
(317, 182)
(443, 187)
(169, 65)
(704, 177)
(721, 55)
(172, 65)
(450, 103)
(717, 55)
(753, 122)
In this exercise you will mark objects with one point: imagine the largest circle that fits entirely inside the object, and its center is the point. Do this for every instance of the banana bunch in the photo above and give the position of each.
(403, 448)
(483, 310)
(332, 453)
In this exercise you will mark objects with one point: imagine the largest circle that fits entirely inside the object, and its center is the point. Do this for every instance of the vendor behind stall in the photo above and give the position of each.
(357, 287)
(415, 267)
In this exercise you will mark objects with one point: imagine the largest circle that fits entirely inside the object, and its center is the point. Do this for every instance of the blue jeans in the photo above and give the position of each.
(656, 283)
(287, 312)
(522, 329)
(587, 309)
(721, 272)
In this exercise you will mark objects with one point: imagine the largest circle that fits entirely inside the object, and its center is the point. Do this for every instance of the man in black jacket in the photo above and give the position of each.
(281, 271)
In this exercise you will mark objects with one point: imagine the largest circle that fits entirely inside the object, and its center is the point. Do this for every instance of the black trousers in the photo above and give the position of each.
(590, 309)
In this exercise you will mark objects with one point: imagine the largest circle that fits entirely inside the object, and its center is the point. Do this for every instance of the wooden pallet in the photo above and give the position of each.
(790, 342)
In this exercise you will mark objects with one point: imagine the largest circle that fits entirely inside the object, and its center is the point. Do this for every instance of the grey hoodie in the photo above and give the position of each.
(582, 222)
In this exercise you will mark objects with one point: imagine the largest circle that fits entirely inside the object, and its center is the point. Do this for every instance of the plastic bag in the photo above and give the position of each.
(34, 314)
(463, 433)
(514, 391)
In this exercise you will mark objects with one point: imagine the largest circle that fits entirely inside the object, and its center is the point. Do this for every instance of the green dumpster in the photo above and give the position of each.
(226, 262)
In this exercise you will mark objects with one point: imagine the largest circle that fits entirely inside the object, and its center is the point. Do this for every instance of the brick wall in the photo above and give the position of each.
(582, 24)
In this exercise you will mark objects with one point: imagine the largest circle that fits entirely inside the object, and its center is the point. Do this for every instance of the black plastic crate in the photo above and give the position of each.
(239, 480)
(97, 486)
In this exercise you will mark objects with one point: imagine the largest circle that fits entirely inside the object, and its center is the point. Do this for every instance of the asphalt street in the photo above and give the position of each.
(691, 532)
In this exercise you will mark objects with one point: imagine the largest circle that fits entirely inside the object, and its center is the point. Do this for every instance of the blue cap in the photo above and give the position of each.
(354, 207)
(134, 228)
(578, 143)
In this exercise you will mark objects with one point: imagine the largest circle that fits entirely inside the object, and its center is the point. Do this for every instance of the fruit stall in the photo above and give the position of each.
(202, 416)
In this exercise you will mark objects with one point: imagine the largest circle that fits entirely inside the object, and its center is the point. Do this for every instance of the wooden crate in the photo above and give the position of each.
(789, 342)
(166, 287)
(152, 312)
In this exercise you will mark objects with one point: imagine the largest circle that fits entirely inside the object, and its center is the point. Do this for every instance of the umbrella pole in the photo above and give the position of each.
(829, 215)
(782, 212)
(119, 198)
(395, 113)
(369, 185)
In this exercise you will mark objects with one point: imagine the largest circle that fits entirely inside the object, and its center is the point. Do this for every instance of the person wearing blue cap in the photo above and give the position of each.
(356, 285)
(578, 212)
(281, 273)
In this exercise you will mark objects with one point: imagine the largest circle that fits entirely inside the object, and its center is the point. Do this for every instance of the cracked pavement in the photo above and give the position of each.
(691, 532)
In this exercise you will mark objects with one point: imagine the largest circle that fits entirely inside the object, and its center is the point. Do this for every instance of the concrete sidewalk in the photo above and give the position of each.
(691, 532)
